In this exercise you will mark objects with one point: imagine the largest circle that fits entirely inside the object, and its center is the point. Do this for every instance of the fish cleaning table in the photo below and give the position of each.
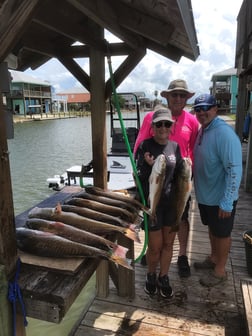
(50, 286)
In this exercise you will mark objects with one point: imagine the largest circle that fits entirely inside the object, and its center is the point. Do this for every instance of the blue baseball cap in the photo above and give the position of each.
(205, 100)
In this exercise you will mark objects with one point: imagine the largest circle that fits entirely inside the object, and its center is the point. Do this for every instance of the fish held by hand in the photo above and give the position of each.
(181, 191)
(156, 181)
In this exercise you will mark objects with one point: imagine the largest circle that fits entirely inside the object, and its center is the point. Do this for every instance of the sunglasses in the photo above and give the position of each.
(166, 124)
(204, 108)
(181, 95)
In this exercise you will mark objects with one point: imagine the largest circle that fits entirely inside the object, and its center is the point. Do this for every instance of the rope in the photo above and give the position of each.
(14, 295)
(138, 182)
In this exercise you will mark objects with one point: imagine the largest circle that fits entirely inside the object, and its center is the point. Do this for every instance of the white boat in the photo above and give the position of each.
(120, 171)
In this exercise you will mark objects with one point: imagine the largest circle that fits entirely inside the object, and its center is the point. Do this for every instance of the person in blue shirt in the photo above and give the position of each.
(217, 176)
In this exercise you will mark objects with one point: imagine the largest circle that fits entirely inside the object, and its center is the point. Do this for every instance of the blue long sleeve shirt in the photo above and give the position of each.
(217, 165)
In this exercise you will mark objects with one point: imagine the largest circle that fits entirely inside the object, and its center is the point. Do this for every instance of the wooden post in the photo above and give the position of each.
(126, 277)
(99, 141)
(5, 311)
(8, 248)
(98, 115)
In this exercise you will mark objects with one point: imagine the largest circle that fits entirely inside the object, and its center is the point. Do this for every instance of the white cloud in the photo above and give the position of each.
(215, 23)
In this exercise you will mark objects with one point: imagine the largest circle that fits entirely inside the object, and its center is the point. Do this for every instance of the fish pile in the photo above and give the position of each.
(78, 227)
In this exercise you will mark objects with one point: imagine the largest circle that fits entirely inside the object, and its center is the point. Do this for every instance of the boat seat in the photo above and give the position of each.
(82, 171)
(118, 143)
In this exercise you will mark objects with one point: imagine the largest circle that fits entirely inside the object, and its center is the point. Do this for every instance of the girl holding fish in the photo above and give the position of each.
(159, 162)
(184, 131)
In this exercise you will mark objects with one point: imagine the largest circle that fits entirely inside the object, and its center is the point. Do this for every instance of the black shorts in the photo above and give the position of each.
(166, 215)
(219, 227)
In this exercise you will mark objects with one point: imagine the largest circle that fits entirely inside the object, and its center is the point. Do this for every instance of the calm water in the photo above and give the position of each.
(41, 149)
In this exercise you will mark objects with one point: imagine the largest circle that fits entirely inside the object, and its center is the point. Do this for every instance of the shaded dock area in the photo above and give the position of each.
(194, 310)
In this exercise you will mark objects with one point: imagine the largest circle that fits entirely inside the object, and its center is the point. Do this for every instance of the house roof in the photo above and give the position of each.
(225, 73)
(20, 77)
(74, 90)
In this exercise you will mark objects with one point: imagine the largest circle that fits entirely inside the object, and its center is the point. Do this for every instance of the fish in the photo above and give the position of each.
(81, 222)
(156, 182)
(46, 244)
(105, 208)
(181, 190)
(77, 235)
(114, 195)
(109, 201)
(103, 217)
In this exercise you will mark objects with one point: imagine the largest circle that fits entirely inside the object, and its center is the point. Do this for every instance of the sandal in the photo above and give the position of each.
(212, 280)
(206, 264)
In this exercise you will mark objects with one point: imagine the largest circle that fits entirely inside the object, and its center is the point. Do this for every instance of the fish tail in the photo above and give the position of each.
(133, 227)
(153, 220)
(122, 261)
(139, 220)
(132, 235)
(147, 210)
(120, 251)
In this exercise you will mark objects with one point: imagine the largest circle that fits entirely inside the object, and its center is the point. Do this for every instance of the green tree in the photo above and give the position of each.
(121, 101)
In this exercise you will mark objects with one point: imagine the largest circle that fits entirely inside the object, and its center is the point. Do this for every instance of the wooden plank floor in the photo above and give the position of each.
(194, 310)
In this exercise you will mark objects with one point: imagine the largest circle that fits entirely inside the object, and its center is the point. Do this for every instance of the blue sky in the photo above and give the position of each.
(215, 22)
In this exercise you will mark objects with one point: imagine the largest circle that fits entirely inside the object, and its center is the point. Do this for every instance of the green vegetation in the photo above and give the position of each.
(232, 116)
(121, 101)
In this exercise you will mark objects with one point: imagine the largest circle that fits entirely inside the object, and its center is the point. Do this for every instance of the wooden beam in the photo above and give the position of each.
(99, 141)
(248, 168)
(68, 22)
(98, 117)
(96, 10)
(136, 22)
(170, 51)
(45, 47)
(5, 308)
(124, 69)
(13, 26)
(115, 49)
(126, 277)
(76, 71)
(8, 244)
(8, 249)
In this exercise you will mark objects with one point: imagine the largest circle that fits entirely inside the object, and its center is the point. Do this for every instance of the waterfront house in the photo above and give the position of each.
(28, 95)
(77, 98)
(224, 88)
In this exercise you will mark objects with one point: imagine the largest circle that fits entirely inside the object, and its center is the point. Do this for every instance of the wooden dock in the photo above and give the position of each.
(194, 310)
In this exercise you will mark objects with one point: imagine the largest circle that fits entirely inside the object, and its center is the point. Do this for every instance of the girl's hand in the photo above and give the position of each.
(149, 158)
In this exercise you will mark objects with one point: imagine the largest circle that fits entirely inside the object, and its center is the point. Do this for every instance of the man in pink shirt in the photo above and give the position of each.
(184, 132)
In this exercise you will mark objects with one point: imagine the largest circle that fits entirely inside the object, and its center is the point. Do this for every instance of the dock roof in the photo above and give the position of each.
(35, 31)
